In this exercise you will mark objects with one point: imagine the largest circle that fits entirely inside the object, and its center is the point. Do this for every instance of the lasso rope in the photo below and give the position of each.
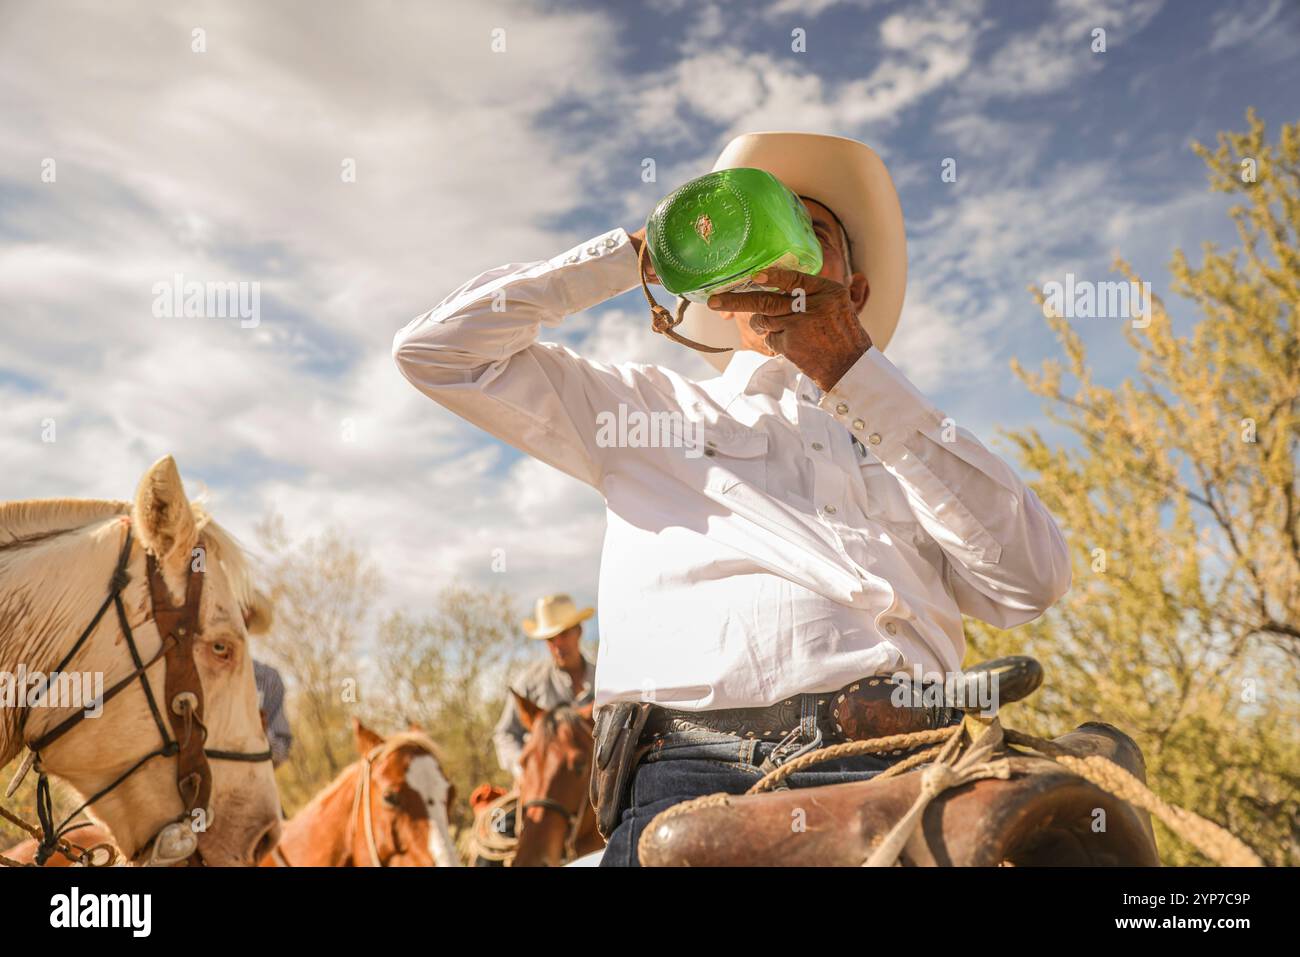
(976, 749)
(486, 841)
(1215, 842)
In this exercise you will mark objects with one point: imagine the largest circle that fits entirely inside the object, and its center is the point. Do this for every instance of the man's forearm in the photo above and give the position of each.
(477, 354)
(997, 535)
(500, 312)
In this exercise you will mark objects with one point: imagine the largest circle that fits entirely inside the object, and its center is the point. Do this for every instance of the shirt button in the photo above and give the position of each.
(571, 260)
(591, 250)
(842, 409)
(830, 509)
(806, 397)
(817, 446)
(891, 627)
(611, 243)
(859, 424)
(874, 438)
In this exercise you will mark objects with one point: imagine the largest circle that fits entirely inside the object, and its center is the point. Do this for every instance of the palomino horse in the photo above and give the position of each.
(390, 809)
(555, 821)
(401, 780)
(155, 598)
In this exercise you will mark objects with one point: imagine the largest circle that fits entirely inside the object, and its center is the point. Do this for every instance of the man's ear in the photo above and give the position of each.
(164, 523)
(859, 290)
(366, 739)
(528, 712)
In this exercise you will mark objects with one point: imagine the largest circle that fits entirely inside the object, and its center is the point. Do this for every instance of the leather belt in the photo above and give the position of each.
(859, 711)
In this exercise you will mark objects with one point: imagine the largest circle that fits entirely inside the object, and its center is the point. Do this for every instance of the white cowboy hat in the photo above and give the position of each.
(849, 179)
(554, 614)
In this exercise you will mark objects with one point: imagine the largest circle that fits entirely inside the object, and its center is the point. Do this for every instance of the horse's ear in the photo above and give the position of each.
(259, 613)
(586, 710)
(528, 712)
(366, 739)
(164, 522)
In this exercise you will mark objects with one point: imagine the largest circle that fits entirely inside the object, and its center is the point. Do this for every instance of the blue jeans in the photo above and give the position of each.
(690, 764)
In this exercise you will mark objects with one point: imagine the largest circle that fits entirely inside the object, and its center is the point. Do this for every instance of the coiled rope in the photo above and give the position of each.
(487, 841)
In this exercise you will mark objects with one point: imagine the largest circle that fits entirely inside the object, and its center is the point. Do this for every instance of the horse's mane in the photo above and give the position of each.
(32, 521)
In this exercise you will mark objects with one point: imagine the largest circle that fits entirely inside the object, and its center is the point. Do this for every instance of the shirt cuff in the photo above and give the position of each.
(599, 269)
(879, 406)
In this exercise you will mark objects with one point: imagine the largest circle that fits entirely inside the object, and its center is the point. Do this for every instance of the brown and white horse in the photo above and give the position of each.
(555, 821)
(389, 809)
(58, 568)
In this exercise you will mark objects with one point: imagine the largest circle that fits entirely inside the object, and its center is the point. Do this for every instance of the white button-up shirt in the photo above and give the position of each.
(764, 539)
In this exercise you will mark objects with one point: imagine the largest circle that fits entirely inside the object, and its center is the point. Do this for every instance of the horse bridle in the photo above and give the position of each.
(573, 819)
(178, 628)
(361, 801)
(360, 806)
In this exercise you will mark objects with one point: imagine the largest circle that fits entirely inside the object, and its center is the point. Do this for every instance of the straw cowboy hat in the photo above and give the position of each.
(848, 178)
(554, 614)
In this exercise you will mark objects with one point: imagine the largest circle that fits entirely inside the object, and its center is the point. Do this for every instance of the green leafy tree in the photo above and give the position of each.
(447, 673)
(1179, 499)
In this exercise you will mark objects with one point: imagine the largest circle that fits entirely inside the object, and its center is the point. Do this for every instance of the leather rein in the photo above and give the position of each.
(178, 628)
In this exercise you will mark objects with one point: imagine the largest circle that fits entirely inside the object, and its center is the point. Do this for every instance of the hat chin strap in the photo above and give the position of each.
(662, 321)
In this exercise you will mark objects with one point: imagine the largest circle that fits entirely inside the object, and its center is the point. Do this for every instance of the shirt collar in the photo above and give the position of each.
(753, 373)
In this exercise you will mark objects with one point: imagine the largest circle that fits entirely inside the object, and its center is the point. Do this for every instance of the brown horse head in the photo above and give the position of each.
(555, 819)
(411, 799)
(389, 809)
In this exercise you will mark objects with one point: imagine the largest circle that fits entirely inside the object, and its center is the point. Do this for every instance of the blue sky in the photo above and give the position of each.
(224, 165)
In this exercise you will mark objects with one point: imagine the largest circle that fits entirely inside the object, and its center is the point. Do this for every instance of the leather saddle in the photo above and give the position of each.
(1042, 815)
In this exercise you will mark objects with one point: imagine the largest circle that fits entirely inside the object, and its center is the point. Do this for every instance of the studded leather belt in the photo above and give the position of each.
(859, 711)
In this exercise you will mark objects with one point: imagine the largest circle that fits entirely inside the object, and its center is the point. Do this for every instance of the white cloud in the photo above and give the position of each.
(1256, 24)
(1048, 58)
(225, 165)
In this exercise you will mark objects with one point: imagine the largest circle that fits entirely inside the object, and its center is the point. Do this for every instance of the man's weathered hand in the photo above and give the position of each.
(811, 321)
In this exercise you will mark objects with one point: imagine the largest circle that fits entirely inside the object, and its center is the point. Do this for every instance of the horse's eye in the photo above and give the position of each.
(390, 798)
(221, 650)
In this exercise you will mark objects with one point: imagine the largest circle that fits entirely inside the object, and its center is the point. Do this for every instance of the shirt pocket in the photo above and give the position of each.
(886, 500)
(731, 458)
